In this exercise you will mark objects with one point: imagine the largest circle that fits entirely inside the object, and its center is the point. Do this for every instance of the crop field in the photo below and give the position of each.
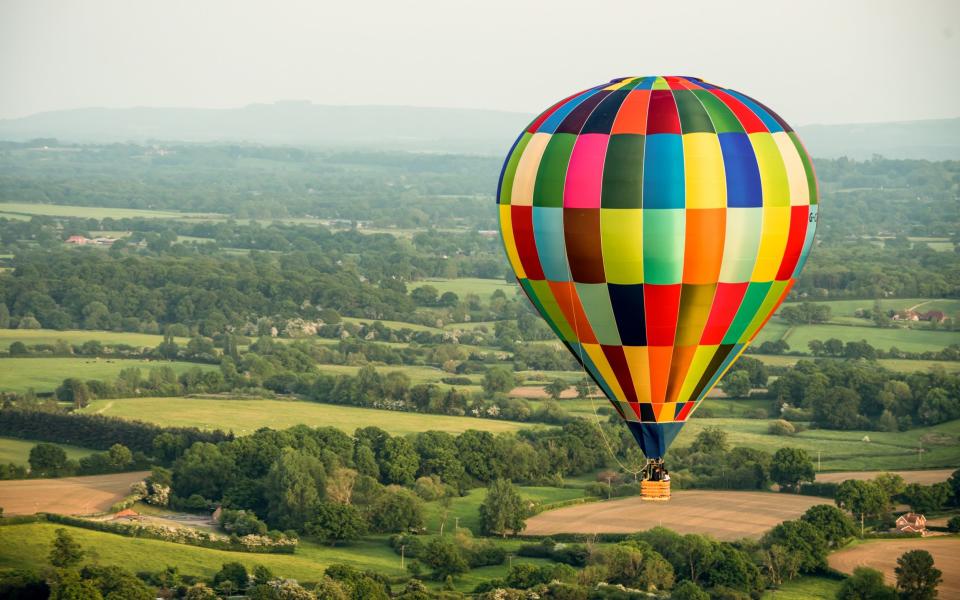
(925, 477)
(66, 495)
(45, 374)
(13, 450)
(469, 285)
(883, 554)
(464, 510)
(721, 514)
(74, 336)
(246, 416)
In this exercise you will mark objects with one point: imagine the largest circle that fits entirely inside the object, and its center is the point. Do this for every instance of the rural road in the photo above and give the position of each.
(66, 495)
(721, 514)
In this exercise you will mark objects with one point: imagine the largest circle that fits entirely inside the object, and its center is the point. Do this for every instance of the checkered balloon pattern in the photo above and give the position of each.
(656, 223)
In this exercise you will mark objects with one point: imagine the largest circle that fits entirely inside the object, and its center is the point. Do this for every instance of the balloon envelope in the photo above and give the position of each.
(656, 223)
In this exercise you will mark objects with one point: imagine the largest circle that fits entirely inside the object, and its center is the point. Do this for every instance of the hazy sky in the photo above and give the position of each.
(813, 61)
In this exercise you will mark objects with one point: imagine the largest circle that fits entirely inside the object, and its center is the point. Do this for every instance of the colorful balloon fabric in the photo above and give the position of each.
(656, 223)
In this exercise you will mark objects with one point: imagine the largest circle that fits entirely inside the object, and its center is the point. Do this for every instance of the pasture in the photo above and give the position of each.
(901, 365)
(464, 510)
(469, 285)
(883, 554)
(32, 337)
(67, 495)
(724, 515)
(910, 340)
(92, 212)
(17, 451)
(45, 374)
(805, 588)
(246, 416)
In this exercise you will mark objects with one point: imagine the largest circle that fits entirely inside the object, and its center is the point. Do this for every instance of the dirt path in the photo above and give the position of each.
(66, 495)
(927, 477)
(105, 407)
(721, 514)
(883, 554)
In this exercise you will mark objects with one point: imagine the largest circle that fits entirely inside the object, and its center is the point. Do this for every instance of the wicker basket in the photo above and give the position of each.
(655, 490)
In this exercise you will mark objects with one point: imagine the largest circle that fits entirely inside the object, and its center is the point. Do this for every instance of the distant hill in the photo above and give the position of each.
(937, 139)
(295, 123)
(417, 128)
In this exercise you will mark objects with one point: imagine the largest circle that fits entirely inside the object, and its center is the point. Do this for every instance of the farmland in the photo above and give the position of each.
(88, 212)
(66, 495)
(246, 416)
(45, 374)
(724, 515)
(882, 555)
(32, 337)
(18, 451)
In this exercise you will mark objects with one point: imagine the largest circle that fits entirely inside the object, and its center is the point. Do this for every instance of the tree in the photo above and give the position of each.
(47, 459)
(18, 348)
(865, 584)
(926, 498)
(498, 380)
(293, 488)
(790, 466)
(803, 540)
(736, 384)
(202, 469)
(116, 583)
(863, 498)
(445, 558)
(688, 590)
(68, 585)
(502, 509)
(917, 578)
(832, 522)
(555, 388)
(200, 591)
(235, 573)
(65, 552)
(637, 565)
(711, 439)
(119, 456)
(397, 509)
(330, 589)
(336, 522)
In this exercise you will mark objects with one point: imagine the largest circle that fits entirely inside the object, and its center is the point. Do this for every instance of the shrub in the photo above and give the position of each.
(781, 427)
(953, 525)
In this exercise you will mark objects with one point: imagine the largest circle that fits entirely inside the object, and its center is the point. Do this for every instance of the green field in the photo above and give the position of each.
(466, 508)
(76, 337)
(894, 364)
(416, 374)
(17, 451)
(845, 450)
(246, 416)
(910, 340)
(45, 374)
(468, 285)
(806, 588)
(92, 212)
(391, 324)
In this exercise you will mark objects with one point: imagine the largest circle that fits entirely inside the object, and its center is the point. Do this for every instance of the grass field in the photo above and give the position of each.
(391, 324)
(92, 212)
(246, 416)
(17, 451)
(45, 374)
(469, 285)
(845, 450)
(894, 364)
(464, 510)
(806, 588)
(911, 340)
(74, 336)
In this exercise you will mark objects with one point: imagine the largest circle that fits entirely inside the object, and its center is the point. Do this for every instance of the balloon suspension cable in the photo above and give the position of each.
(593, 404)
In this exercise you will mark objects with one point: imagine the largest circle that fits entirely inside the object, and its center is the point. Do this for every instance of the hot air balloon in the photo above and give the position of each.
(656, 223)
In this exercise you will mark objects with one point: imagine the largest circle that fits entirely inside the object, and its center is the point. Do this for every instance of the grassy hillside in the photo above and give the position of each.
(246, 416)
(45, 374)
(466, 508)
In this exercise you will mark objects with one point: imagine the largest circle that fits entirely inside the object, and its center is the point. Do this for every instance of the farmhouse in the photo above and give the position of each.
(912, 523)
(78, 240)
